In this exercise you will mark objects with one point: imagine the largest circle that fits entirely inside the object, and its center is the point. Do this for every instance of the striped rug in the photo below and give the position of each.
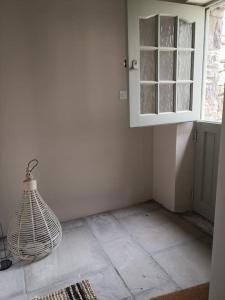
(78, 291)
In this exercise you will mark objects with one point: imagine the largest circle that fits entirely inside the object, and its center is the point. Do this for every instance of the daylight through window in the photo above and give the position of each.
(215, 66)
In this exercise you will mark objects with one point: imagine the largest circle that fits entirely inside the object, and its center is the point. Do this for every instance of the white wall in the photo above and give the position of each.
(184, 167)
(164, 165)
(61, 69)
(217, 283)
(173, 154)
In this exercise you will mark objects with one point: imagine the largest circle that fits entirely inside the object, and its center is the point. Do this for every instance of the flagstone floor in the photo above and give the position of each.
(134, 253)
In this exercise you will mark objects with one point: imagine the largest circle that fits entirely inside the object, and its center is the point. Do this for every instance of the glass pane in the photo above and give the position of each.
(215, 67)
(166, 65)
(166, 96)
(147, 29)
(167, 31)
(185, 38)
(184, 97)
(148, 65)
(184, 65)
(148, 97)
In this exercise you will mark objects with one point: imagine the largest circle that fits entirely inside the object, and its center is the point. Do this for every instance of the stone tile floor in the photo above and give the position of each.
(199, 221)
(133, 253)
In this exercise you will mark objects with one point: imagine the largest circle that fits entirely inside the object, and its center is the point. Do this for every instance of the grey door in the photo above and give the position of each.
(206, 167)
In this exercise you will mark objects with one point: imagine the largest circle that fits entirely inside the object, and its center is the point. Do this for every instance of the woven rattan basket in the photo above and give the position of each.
(35, 231)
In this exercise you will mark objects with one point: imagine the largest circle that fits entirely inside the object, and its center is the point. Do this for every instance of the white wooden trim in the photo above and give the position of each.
(204, 66)
(144, 9)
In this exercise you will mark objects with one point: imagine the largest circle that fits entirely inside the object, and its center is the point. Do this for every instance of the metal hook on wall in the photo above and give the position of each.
(134, 65)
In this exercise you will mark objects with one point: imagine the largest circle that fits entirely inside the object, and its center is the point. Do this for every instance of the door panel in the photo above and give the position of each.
(206, 167)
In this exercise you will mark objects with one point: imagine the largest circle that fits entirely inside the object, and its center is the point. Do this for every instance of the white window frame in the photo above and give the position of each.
(195, 14)
(204, 69)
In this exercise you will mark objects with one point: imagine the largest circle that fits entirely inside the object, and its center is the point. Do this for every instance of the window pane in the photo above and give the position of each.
(166, 97)
(185, 37)
(147, 29)
(215, 69)
(167, 31)
(148, 65)
(184, 96)
(184, 65)
(148, 98)
(166, 65)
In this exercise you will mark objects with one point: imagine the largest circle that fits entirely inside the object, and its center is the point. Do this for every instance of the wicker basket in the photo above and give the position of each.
(35, 230)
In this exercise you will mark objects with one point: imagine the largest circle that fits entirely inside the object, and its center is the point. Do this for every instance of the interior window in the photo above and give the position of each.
(215, 66)
(165, 50)
(168, 89)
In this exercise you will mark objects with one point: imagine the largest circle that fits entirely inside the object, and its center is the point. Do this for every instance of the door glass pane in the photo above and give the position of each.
(147, 28)
(148, 97)
(167, 31)
(185, 65)
(148, 65)
(166, 97)
(184, 96)
(215, 67)
(185, 37)
(166, 65)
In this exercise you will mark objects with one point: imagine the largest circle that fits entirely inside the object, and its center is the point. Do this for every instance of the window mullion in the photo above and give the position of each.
(158, 64)
(176, 62)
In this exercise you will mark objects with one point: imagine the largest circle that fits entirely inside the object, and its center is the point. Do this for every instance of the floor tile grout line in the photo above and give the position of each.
(25, 282)
(141, 248)
(134, 213)
(85, 225)
(199, 238)
(111, 263)
(181, 244)
(208, 231)
(204, 234)
(164, 250)
(181, 216)
(178, 216)
(71, 273)
(146, 252)
(65, 282)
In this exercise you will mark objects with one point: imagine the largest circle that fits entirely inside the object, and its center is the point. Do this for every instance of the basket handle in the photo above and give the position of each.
(35, 162)
(30, 166)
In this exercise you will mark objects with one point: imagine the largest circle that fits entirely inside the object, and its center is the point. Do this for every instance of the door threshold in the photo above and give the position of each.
(199, 222)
